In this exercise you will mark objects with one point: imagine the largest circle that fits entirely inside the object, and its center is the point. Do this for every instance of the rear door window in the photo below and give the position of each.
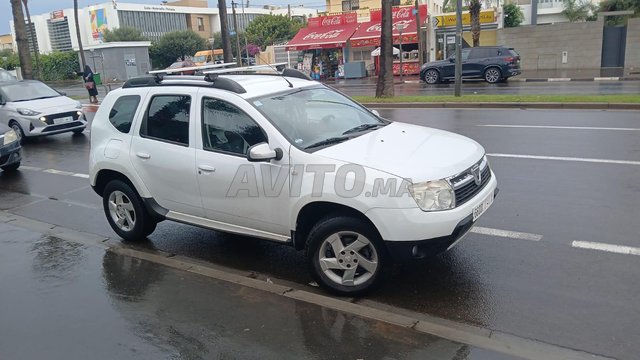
(167, 119)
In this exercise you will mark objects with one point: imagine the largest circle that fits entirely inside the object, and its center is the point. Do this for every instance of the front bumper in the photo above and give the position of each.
(32, 126)
(10, 154)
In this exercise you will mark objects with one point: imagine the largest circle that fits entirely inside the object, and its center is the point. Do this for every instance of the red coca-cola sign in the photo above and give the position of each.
(332, 34)
(333, 20)
(401, 13)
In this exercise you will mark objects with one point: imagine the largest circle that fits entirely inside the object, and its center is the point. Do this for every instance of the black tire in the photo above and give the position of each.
(492, 75)
(150, 227)
(78, 131)
(349, 227)
(141, 220)
(18, 129)
(431, 76)
(11, 168)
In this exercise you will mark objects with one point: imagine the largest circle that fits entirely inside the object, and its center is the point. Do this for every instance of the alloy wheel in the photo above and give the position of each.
(122, 211)
(431, 77)
(492, 76)
(348, 258)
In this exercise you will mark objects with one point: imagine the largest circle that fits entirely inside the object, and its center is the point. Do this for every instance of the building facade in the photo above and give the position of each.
(55, 31)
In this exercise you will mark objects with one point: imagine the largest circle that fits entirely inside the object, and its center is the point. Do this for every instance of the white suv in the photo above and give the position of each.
(286, 159)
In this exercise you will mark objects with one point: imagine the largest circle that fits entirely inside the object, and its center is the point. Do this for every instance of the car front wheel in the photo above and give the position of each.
(492, 75)
(345, 255)
(432, 76)
(125, 211)
(12, 167)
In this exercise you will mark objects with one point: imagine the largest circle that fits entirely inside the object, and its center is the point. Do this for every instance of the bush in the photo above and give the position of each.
(59, 66)
(175, 45)
(9, 60)
(513, 15)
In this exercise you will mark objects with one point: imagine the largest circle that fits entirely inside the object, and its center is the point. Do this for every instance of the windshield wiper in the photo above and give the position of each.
(329, 141)
(362, 127)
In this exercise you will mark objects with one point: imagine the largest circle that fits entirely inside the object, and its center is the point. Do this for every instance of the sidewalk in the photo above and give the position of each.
(65, 299)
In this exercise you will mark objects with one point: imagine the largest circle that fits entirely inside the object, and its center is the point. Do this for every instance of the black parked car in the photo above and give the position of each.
(9, 149)
(491, 63)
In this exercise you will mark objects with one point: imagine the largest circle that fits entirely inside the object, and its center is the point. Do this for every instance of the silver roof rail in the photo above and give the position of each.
(192, 68)
(246, 68)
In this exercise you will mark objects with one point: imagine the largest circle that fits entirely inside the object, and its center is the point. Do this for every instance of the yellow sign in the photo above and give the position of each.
(486, 17)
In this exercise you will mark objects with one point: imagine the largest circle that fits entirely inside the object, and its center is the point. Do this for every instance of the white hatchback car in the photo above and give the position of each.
(290, 160)
(33, 109)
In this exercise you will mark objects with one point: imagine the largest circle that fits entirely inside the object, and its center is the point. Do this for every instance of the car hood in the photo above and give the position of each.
(436, 63)
(56, 104)
(409, 151)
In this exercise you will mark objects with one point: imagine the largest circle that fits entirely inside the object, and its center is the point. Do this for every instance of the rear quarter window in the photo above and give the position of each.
(123, 111)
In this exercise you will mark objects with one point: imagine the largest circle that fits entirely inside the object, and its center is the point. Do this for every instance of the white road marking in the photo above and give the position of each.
(84, 176)
(561, 127)
(506, 233)
(558, 79)
(57, 172)
(610, 78)
(560, 158)
(30, 168)
(618, 249)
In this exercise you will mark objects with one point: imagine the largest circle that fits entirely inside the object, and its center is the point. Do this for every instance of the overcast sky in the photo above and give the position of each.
(37, 7)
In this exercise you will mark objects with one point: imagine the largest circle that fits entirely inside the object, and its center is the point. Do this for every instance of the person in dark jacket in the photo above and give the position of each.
(90, 84)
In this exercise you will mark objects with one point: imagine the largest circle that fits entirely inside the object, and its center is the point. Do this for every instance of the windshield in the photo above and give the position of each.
(25, 91)
(312, 116)
(200, 59)
(6, 76)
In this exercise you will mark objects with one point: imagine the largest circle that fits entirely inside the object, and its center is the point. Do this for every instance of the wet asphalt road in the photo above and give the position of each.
(545, 290)
(66, 300)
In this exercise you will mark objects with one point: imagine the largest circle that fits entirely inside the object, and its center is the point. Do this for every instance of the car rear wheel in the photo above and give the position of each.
(125, 212)
(345, 255)
(492, 75)
(16, 127)
(12, 167)
(432, 76)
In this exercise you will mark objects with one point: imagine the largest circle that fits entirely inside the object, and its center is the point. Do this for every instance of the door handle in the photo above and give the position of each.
(142, 155)
(206, 168)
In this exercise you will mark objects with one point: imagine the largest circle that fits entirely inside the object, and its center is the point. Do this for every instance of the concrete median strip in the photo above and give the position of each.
(468, 334)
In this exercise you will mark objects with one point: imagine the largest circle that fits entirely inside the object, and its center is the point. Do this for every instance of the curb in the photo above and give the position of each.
(505, 105)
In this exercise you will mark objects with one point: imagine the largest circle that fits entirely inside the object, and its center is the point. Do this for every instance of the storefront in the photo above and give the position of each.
(323, 45)
(405, 38)
(445, 34)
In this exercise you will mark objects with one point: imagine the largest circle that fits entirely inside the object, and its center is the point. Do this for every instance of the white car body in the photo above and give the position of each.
(50, 116)
(191, 185)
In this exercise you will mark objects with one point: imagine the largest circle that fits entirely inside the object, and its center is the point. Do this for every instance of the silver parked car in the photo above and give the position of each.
(32, 109)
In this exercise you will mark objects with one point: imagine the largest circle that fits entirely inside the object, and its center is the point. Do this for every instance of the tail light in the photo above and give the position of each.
(512, 59)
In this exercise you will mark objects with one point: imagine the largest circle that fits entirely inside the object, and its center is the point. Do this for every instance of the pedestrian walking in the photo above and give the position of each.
(90, 84)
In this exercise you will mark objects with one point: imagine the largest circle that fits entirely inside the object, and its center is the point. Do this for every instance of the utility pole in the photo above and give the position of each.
(244, 32)
(224, 31)
(458, 72)
(235, 27)
(420, 44)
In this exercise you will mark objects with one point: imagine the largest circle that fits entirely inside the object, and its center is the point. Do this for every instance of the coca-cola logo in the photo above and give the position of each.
(374, 28)
(323, 36)
(331, 20)
(378, 28)
(402, 13)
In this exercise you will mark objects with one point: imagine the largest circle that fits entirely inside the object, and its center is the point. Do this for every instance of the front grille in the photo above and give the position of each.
(469, 189)
(50, 118)
(61, 126)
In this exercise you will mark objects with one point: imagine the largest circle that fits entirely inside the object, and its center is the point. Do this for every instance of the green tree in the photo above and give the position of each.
(577, 10)
(270, 29)
(513, 15)
(175, 45)
(123, 34)
(619, 5)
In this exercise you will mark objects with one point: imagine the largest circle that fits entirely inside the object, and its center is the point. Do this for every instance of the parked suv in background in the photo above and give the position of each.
(491, 63)
(289, 160)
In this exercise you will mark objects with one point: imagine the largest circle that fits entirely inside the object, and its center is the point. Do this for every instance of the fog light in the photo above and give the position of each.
(79, 113)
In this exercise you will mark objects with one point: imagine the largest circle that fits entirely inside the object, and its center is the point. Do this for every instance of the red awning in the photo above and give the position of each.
(325, 37)
(369, 33)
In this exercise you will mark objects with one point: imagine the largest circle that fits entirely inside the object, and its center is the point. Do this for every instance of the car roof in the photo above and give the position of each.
(246, 85)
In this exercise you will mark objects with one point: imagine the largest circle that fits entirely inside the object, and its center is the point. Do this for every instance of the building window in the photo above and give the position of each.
(200, 24)
(348, 5)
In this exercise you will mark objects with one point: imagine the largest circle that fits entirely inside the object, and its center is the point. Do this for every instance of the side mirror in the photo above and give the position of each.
(2, 102)
(452, 59)
(62, 93)
(262, 152)
(375, 112)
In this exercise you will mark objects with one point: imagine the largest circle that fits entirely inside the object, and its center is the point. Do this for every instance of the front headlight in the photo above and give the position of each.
(433, 195)
(27, 112)
(9, 137)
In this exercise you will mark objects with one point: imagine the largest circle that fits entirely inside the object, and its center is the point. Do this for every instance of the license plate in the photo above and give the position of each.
(482, 207)
(63, 120)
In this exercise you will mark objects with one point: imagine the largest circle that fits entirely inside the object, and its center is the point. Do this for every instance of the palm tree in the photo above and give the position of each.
(83, 62)
(474, 12)
(33, 38)
(384, 86)
(576, 10)
(224, 32)
(21, 39)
